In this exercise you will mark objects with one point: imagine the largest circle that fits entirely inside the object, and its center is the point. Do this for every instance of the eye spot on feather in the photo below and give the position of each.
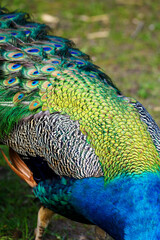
(18, 97)
(92, 75)
(9, 16)
(27, 32)
(47, 69)
(58, 45)
(80, 62)
(32, 84)
(11, 81)
(17, 55)
(35, 104)
(14, 66)
(31, 73)
(70, 65)
(55, 62)
(35, 73)
(2, 38)
(13, 33)
(50, 69)
(74, 53)
(32, 50)
(14, 55)
(47, 49)
(35, 83)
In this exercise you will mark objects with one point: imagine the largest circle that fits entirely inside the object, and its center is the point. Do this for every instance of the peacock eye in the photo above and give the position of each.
(32, 83)
(13, 33)
(46, 49)
(35, 73)
(55, 62)
(17, 55)
(70, 65)
(35, 104)
(16, 66)
(80, 63)
(12, 80)
(58, 45)
(47, 69)
(9, 16)
(33, 50)
(74, 52)
(50, 69)
(21, 96)
(35, 83)
(18, 97)
(27, 32)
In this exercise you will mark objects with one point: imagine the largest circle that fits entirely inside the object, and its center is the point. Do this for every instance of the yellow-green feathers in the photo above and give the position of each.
(112, 125)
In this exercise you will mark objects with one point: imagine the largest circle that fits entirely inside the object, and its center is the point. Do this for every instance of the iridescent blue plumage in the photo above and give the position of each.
(126, 208)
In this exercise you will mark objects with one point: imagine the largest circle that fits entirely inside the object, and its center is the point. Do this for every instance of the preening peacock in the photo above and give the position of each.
(90, 153)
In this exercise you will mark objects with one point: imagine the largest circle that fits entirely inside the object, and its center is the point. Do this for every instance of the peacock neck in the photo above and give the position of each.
(127, 207)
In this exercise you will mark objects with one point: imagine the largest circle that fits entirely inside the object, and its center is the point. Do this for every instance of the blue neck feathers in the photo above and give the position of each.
(127, 207)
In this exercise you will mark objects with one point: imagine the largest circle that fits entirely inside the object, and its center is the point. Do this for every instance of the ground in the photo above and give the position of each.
(122, 37)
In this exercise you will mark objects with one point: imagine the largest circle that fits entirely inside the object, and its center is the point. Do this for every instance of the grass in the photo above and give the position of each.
(17, 206)
(129, 53)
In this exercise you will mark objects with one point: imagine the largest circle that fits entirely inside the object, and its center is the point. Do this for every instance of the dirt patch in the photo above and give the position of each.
(65, 229)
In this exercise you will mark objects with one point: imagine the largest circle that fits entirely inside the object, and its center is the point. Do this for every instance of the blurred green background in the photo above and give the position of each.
(123, 38)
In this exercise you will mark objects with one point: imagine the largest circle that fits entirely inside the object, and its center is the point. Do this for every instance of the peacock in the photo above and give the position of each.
(90, 153)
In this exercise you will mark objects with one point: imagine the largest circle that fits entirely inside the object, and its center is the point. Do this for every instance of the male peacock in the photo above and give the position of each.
(90, 153)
